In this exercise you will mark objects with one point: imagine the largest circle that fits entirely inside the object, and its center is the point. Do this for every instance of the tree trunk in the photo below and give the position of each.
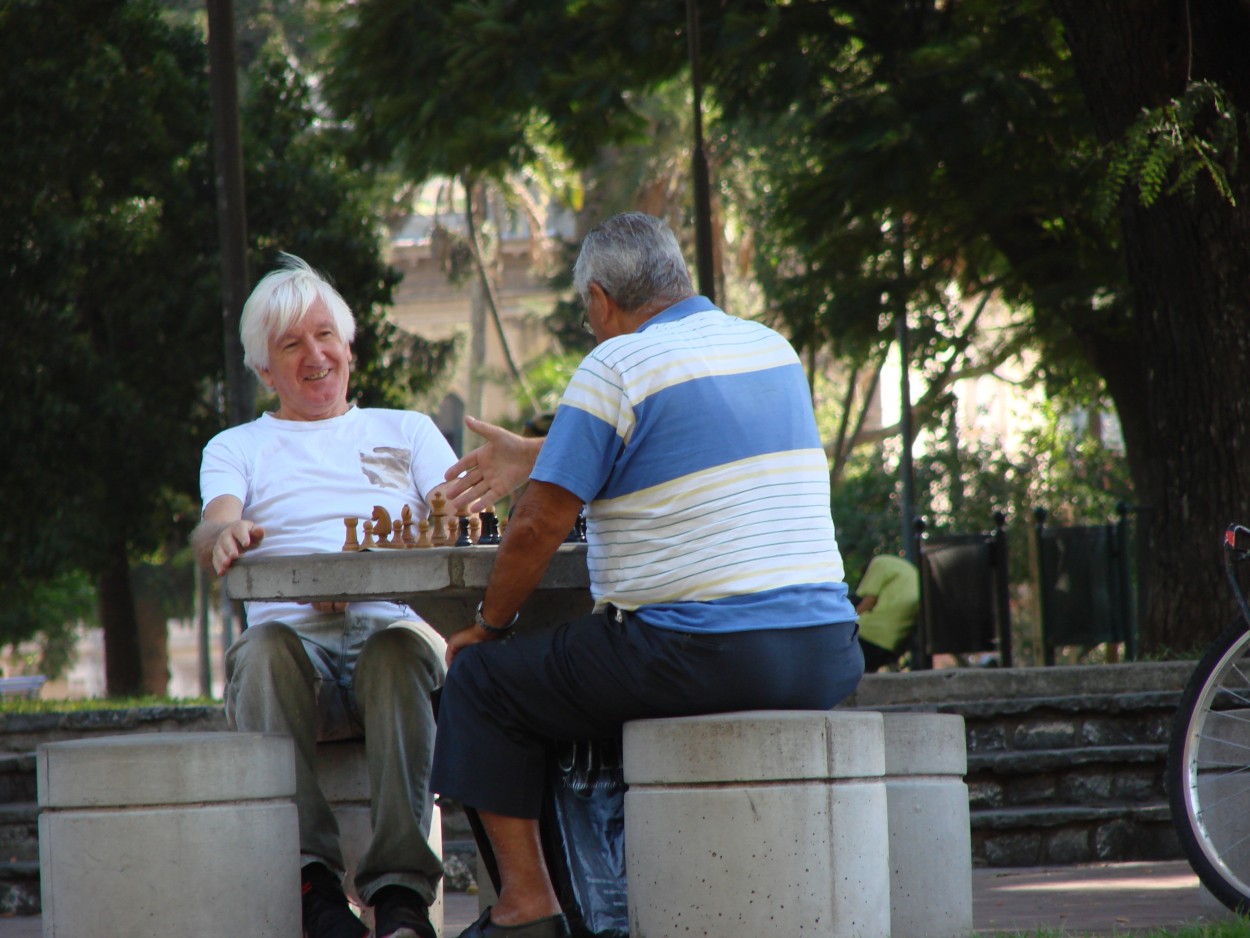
(1186, 263)
(153, 630)
(123, 670)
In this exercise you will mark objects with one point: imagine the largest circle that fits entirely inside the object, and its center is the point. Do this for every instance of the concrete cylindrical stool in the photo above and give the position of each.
(169, 834)
(343, 774)
(757, 823)
(930, 833)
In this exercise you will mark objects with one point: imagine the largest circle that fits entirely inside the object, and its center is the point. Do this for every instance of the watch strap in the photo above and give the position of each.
(492, 629)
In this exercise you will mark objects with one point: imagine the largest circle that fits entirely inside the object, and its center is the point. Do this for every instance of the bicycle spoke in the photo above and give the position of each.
(1218, 743)
(1237, 696)
(1237, 716)
(1236, 768)
(1225, 849)
(1224, 799)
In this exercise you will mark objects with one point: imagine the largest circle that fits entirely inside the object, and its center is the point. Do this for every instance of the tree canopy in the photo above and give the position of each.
(923, 156)
(108, 236)
(108, 247)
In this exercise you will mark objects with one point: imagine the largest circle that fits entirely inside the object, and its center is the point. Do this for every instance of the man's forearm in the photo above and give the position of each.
(540, 524)
(202, 539)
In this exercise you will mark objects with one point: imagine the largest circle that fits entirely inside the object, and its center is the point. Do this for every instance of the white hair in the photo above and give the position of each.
(281, 299)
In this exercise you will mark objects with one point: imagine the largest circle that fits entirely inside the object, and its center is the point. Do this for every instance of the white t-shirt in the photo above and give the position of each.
(299, 479)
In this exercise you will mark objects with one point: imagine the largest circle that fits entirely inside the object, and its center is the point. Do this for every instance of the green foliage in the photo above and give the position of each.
(448, 86)
(564, 322)
(1233, 927)
(304, 199)
(867, 514)
(88, 705)
(48, 611)
(548, 376)
(1169, 147)
(107, 229)
(878, 155)
(1077, 478)
(109, 255)
(913, 151)
(871, 154)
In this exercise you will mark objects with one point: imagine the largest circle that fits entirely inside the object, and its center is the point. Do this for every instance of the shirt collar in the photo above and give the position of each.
(679, 310)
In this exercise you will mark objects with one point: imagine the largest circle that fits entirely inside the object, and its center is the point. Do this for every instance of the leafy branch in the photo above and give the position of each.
(1190, 136)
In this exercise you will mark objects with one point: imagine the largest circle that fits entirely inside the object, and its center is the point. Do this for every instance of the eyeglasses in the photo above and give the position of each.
(586, 315)
(586, 310)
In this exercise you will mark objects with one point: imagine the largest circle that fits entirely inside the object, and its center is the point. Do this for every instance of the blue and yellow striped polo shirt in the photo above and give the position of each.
(693, 443)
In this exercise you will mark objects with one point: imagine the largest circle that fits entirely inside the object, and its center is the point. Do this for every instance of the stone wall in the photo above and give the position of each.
(1065, 764)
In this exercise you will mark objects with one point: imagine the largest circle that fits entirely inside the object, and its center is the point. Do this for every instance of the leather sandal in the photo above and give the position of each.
(553, 926)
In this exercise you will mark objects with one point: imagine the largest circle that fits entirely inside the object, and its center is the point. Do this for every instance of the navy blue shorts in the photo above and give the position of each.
(506, 702)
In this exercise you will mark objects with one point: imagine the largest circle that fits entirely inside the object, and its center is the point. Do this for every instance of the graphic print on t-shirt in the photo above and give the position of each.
(387, 467)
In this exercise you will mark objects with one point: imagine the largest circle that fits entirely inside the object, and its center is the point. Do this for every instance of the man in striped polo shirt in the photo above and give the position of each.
(688, 435)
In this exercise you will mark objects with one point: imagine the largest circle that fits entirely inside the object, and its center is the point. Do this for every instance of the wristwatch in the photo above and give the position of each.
(492, 629)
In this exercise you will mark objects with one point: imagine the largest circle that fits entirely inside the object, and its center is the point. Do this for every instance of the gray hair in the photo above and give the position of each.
(636, 259)
(281, 299)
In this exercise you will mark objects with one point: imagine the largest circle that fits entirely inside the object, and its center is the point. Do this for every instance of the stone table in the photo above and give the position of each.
(442, 584)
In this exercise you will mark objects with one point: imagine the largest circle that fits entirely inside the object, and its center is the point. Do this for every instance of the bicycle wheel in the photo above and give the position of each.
(1208, 769)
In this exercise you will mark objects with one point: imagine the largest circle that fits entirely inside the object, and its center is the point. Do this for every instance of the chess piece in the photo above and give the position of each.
(382, 525)
(397, 535)
(475, 528)
(351, 543)
(368, 542)
(423, 538)
(464, 540)
(438, 532)
(490, 527)
(405, 522)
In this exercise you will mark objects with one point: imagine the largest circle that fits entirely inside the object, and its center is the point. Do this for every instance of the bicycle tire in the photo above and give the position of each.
(1208, 769)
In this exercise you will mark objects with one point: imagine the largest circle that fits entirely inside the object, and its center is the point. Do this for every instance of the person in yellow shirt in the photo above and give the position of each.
(888, 602)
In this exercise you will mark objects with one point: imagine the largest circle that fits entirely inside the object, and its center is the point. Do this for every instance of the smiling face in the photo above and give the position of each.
(309, 367)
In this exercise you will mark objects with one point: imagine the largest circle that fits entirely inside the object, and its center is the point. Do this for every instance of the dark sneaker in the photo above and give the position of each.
(400, 913)
(326, 912)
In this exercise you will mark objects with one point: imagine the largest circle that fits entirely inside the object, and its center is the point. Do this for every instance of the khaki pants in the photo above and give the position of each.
(342, 677)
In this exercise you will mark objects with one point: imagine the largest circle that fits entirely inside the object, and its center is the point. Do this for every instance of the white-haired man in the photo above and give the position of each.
(283, 484)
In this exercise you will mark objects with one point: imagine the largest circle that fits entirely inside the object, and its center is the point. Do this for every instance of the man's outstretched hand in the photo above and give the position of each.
(495, 469)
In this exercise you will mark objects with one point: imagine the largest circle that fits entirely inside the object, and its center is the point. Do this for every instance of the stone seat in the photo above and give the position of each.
(158, 834)
(798, 822)
(930, 831)
(757, 823)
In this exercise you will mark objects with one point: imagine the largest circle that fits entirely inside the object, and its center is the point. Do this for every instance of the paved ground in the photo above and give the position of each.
(1104, 899)
(1093, 899)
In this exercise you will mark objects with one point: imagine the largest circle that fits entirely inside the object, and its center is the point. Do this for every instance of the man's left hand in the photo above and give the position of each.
(463, 639)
